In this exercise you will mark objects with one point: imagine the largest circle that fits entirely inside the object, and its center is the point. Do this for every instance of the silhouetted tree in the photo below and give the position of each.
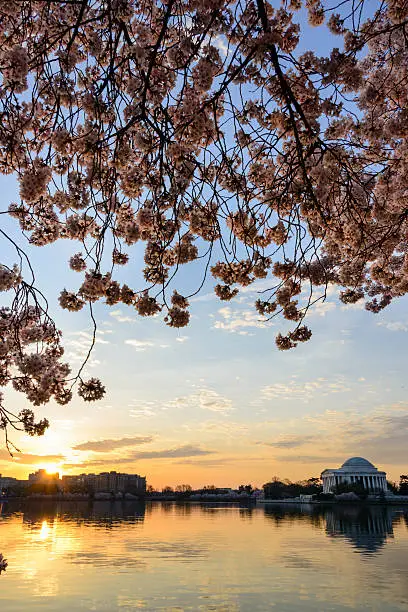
(278, 489)
(403, 484)
(248, 489)
(392, 486)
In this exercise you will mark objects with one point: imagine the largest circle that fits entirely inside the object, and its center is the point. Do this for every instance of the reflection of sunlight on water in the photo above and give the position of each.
(46, 586)
(124, 601)
(107, 557)
(44, 531)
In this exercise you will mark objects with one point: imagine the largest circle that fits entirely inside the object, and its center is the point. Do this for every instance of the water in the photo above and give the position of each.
(108, 556)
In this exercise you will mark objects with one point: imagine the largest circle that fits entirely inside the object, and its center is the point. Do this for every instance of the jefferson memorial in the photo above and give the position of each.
(355, 471)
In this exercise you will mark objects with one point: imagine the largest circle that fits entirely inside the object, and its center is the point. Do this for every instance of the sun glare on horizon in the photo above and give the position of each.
(50, 468)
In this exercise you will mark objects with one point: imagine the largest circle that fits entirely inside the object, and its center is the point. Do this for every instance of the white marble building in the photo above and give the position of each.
(355, 471)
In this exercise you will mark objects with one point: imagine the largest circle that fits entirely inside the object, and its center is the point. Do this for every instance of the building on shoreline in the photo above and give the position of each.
(44, 483)
(8, 482)
(355, 471)
(42, 477)
(106, 482)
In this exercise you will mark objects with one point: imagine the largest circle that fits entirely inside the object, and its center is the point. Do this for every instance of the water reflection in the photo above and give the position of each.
(366, 528)
(122, 556)
(99, 512)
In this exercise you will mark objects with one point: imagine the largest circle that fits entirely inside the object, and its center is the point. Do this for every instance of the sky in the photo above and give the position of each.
(216, 402)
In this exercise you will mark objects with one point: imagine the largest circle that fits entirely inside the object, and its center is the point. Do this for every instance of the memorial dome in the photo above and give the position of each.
(358, 464)
(356, 471)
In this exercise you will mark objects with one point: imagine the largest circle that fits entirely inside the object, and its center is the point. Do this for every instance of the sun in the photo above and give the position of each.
(51, 468)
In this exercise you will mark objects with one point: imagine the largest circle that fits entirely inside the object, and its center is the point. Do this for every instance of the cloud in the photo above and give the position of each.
(379, 435)
(304, 391)
(100, 446)
(205, 297)
(120, 317)
(85, 337)
(359, 305)
(29, 459)
(187, 450)
(142, 411)
(321, 308)
(394, 325)
(209, 463)
(139, 345)
(142, 345)
(94, 463)
(235, 321)
(77, 345)
(290, 441)
(325, 460)
(222, 45)
(182, 338)
(204, 398)
(146, 408)
(258, 286)
(228, 428)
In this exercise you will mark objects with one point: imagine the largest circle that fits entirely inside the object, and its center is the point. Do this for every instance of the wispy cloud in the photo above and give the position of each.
(86, 463)
(143, 409)
(323, 460)
(379, 435)
(77, 345)
(100, 446)
(139, 345)
(290, 441)
(223, 429)
(120, 317)
(29, 459)
(237, 321)
(321, 308)
(204, 398)
(221, 43)
(208, 463)
(304, 391)
(187, 450)
(359, 305)
(394, 326)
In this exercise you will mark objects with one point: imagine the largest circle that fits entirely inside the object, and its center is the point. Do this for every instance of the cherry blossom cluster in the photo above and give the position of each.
(201, 131)
(31, 357)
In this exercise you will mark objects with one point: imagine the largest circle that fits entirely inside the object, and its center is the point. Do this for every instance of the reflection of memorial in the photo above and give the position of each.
(367, 528)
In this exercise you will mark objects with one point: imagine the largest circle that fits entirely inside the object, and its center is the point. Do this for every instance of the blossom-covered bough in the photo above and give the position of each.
(3, 563)
(198, 128)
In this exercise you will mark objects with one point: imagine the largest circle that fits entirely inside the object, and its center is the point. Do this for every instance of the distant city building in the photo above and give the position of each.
(8, 483)
(44, 478)
(355, 471)
(106, 482)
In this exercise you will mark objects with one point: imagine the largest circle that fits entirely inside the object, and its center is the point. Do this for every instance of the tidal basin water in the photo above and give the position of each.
(126, 556)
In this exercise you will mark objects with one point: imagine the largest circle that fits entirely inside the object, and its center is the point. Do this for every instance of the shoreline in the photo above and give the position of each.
(336, 502)
(248, 501)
